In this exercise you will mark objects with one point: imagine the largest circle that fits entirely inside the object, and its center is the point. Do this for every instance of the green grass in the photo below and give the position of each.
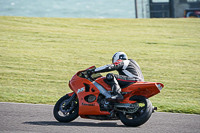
(38, 56)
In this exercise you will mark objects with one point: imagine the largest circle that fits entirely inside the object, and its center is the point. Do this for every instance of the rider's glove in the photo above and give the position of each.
(90, 71)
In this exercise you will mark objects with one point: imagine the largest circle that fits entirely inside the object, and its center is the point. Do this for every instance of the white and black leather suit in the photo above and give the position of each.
(129, 72)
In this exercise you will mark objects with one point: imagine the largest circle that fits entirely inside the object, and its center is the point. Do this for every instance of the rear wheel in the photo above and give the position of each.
(64, 112)
(140, 116)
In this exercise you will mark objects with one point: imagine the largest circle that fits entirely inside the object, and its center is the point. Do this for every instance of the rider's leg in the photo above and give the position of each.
(112, 81)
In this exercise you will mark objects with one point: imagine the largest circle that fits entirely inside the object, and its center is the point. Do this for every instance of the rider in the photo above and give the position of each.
(129, 72)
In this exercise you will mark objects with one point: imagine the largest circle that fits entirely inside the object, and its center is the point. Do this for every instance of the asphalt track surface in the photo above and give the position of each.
(38, 118)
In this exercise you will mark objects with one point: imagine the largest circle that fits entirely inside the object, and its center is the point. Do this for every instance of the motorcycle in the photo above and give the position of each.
(88, 100)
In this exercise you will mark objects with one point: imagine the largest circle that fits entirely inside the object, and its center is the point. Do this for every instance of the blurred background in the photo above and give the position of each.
(101, 8)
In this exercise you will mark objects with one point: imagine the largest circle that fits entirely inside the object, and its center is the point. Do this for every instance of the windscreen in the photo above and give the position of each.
(94, 76)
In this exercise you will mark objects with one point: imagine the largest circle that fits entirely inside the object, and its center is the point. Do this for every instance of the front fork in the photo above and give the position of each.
(72, 95)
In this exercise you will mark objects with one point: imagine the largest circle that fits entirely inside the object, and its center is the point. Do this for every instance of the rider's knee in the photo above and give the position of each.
(109, 77)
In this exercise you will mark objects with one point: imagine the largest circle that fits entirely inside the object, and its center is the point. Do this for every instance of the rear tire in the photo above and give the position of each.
(66, 113)
(140, 116)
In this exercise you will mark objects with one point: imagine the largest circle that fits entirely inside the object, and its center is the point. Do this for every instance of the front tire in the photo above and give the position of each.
(66, 113)
(140, 116)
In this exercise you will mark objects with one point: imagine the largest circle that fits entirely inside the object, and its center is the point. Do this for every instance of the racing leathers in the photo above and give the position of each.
(129, 72)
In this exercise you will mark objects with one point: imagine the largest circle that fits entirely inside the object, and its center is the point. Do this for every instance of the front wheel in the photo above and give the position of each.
(65, 111)
(140, 116)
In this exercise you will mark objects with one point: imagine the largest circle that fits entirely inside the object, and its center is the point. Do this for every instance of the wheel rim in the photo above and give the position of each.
(139, 112)
(66, 110)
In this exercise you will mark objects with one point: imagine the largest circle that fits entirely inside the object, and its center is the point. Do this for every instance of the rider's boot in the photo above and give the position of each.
(118, 97)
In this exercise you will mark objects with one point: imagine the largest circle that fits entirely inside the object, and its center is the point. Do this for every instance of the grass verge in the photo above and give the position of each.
(40, 55)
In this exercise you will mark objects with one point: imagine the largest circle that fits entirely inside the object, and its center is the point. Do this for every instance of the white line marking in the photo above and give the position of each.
(26, 103)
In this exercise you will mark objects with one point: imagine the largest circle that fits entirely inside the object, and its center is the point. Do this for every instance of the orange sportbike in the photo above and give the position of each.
(88, 100)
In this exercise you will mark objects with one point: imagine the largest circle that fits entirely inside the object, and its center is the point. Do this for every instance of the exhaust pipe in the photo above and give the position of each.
(153, 109)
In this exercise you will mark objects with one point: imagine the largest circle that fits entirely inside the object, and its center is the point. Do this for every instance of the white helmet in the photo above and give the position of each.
(119, 55)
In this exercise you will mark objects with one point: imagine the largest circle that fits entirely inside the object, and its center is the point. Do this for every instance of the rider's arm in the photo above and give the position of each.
(110, 67)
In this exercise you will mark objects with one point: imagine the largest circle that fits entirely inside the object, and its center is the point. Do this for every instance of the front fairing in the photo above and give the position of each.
(83, 87)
